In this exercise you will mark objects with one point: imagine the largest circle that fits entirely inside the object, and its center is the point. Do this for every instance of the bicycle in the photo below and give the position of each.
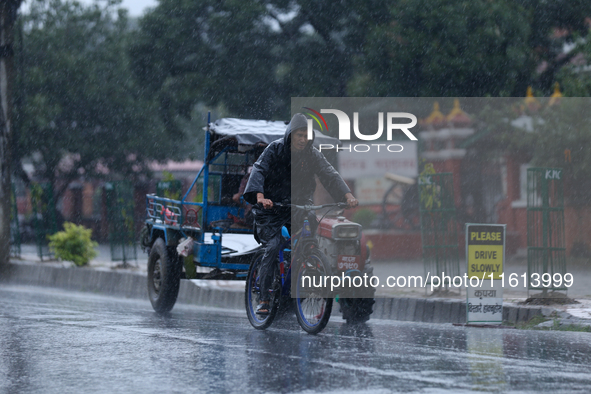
(311, 307)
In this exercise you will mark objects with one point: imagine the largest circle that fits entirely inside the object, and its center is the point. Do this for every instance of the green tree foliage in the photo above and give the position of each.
(73, 244)
(190, 51)
(575, 77)
(250, 56)
(554, 24)
(101, 93)
(79, 108)
(470, 48)
(253, 56)
(562, 140)
(442, 48)
(320, 44)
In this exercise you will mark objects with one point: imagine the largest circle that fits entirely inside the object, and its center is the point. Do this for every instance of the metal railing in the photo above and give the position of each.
(439, 234)
(164, 210)
(546, 251)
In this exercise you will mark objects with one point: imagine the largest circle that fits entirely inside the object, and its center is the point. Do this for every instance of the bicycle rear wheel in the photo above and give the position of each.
(312, 310)
(252, 296)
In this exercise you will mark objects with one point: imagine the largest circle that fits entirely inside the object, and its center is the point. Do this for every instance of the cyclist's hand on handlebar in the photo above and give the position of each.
(351, 200)
(265, 203)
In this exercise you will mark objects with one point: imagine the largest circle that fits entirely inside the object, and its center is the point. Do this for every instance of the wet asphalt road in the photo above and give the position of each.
(55, 341)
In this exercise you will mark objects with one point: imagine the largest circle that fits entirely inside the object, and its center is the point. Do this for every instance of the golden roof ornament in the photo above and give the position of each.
(457, 117)
(531, 103)
(436, 119)
(556, 96)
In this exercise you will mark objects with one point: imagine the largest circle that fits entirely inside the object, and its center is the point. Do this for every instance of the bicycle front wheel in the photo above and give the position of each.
(312, 309)
(252, 296)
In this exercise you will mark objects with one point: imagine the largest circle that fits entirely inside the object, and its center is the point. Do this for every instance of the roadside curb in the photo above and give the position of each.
(444, 310)
(133, 285)
(126, 284)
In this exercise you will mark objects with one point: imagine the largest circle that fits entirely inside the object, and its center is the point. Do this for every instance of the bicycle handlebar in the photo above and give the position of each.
(309, 207)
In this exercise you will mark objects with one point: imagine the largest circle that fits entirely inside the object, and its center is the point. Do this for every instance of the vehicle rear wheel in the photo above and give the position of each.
(312, 309)
(252, 296)
(164, 276)
(356, 310)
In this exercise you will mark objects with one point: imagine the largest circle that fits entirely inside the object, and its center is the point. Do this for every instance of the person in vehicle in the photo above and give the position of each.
(285, 173)
(247, 221)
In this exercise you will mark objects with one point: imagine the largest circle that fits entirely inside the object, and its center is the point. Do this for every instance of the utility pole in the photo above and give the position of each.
(8, 13)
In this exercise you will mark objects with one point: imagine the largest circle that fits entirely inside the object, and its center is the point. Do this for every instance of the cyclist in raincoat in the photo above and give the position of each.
(285, 173)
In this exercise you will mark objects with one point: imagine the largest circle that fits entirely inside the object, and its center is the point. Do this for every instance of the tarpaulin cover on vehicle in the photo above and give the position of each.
(249, 132)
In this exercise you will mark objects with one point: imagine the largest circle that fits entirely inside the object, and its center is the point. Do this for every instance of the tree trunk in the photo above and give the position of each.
(8, 12)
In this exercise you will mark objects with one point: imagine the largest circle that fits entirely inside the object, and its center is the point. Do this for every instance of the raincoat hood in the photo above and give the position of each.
(298, 121)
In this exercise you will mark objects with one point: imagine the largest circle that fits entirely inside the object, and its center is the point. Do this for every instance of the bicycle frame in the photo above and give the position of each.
(285, 278)
(310, 239)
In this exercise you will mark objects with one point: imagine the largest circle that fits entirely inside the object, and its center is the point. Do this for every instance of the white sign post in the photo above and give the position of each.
(485, 256)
